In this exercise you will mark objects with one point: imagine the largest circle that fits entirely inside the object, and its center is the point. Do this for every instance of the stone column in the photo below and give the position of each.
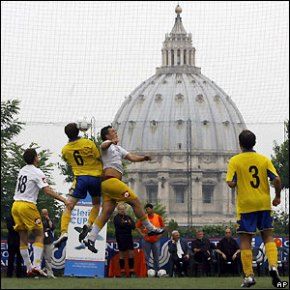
(181, 56)
(175, 56)
(187, 57)
(169, 57)
(225, 195)
(193, 57)
(163, 190)
(131, 183)
(197, 206)
(163, 57)
(190, 57)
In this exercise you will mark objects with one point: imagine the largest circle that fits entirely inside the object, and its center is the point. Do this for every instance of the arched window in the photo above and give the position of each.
(179, 192)
(207, 193)
(184, 57)
(151, 191)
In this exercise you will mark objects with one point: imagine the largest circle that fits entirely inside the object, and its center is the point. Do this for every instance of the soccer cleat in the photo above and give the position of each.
(155, 232)
(36, 272)
(90, 245)
(51, 276)
(248, 282)
(30, 273)
(85, 230)
(63, 237)
(275, 276)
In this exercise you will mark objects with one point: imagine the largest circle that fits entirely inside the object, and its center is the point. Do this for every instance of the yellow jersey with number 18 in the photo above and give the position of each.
(83, 156)
(251, 170)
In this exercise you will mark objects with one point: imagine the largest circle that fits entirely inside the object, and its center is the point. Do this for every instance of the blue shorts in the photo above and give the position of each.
(86, 184)
(250, 222)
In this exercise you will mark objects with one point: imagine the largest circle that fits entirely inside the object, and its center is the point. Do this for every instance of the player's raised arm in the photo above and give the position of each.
(137, 158)
(106, 144)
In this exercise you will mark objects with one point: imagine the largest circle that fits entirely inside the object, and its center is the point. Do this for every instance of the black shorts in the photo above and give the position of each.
(125, 243)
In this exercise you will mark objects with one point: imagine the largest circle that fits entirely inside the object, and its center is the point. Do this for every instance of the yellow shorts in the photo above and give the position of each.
(116, 190)
(26, 216)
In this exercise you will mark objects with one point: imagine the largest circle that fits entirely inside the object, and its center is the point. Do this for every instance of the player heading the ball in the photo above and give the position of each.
(113, 189)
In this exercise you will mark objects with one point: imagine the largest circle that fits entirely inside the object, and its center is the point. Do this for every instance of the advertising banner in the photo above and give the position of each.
(80, 261)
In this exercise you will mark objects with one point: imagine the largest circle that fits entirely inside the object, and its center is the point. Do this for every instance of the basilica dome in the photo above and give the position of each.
(190, 127)
(178, 106)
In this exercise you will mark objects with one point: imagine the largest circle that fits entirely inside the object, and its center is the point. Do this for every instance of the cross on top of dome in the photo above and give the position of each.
(178, 26)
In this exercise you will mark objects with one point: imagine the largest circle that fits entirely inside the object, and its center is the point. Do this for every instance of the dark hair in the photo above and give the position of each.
(149, 205)
(105, 131)
(247, 139)
(71, 130)
(29, 155)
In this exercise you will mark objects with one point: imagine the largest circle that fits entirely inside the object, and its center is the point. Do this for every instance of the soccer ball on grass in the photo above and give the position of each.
(161, 273)
(151, 273)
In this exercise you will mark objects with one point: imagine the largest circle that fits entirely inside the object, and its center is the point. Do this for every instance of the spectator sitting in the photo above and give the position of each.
(202, 248)
(229, 250)
(179, 254)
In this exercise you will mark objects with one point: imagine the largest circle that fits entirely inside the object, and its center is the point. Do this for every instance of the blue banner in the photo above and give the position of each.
(58, 260)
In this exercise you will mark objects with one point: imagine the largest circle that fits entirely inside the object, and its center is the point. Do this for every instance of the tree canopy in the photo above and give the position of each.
(280, 158)
(12, 160)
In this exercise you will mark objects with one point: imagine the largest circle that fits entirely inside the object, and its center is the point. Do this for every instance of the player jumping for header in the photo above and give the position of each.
(113, 189)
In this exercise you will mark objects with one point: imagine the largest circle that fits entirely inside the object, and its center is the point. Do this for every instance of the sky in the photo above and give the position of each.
(66, 60)
(79, 59)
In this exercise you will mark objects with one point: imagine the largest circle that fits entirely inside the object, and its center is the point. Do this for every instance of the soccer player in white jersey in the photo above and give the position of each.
(25, 213)
(114, 190)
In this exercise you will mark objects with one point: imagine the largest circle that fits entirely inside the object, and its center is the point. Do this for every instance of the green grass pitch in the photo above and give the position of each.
(134, 283)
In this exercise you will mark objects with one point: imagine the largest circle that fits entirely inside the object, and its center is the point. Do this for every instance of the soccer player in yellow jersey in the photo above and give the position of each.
(25, 213)
(249, 172)
(84, 158)
(114, 190)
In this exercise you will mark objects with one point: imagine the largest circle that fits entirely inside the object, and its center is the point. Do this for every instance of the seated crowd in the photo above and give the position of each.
(203, 257)
(187, 258)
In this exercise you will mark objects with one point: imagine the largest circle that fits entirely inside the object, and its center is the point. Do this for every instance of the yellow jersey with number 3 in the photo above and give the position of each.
(251, 170)
(83, 156)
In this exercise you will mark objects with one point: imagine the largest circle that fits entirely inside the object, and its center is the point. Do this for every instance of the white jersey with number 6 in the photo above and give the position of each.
(30, 180)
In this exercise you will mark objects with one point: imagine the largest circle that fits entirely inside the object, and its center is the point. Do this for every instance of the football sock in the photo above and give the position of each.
(37, 253)
(247, 258)
(98, 225)
(131, 264)
(122, 264)
(146, 223)
(272, 254)
(65, 219)
(25, 255)
(93, 215)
